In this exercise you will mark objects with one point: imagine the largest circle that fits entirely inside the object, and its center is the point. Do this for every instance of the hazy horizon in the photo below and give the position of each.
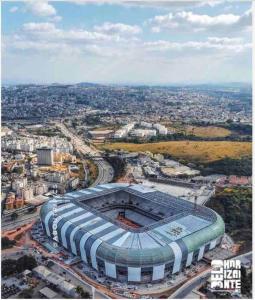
(130, 83)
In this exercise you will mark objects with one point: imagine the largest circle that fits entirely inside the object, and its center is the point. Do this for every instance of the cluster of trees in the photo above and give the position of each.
(18, 170)
(246, 283)
(50, 132)
(235, 207)
(244, 129)
(7, 243)
(228, 166)
(12, 266)
(182, 136)
(118, 165)
(83, 294)
(239, 128)
(26, 294)
(92, 120)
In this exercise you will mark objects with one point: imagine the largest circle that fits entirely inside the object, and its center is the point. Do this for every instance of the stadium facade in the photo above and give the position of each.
(131, 232)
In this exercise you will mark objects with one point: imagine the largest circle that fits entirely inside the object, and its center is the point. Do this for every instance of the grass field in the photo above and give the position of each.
(200, 151)
(201, 131)
(208, 131)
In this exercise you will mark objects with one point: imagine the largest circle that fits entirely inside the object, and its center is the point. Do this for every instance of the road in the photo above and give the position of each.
(74, 278)
(105, 171)
(22, 220)
(184, 290)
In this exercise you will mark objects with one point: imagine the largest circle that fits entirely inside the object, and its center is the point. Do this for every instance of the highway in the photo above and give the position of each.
(105, 171)
(184, 290)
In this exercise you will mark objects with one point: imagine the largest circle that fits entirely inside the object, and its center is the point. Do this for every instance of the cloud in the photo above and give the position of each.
(225, 40)
(41, 8)
(155, 4)
(47, 37)
(109, 33)
(13, 9)
(190, 21)
(105, 32)
(118, 28)
(211, 44)
(55, 19)
(211, 3)
(116, 52)
(39, 27)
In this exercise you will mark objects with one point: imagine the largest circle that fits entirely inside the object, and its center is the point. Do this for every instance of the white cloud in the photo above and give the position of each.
(118, 28)
(55, 19)
(197, 22)
(13, 9)
(49, 32)
(39, 27)
(117, 52)
(47, 37)
(225, 44)
(225, 40)
(41, 8)
(175, 5)
(210, 3)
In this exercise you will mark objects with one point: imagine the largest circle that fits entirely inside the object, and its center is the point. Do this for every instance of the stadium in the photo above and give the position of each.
(132, 233)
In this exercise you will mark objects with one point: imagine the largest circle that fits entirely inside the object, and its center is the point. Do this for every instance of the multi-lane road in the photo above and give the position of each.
(105, 171)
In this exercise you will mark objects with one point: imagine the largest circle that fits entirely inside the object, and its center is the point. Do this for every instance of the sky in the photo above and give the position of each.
(126, 42)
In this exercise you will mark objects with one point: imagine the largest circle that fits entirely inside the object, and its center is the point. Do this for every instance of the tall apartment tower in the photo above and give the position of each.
(45, 156)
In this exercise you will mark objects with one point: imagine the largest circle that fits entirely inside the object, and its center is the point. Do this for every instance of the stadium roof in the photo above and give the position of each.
(183, 227)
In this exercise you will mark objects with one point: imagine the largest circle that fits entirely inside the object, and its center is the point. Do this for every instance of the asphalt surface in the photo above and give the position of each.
(105, 171)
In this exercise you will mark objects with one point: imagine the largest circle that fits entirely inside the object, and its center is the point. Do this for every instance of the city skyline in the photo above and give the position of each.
(126, 43)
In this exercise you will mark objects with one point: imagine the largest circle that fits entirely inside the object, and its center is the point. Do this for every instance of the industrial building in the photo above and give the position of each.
(132, 233)
(147, 130)
(123, 132)
(143, 133)
(45, 156)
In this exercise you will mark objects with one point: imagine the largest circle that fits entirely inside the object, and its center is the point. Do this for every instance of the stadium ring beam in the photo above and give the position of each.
(132, 233)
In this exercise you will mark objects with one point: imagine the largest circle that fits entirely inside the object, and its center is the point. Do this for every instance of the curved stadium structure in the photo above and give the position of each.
(131, 232)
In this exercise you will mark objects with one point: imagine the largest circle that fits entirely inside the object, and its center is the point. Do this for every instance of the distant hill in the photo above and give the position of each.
(88, 84)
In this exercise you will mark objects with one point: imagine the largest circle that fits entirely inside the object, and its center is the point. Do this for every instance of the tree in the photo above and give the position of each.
(7, 243)
(235, 206)
(26, 262)
(246, 283)
(18, 170)
(26, 294)
(8, 267)
(83, 294)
